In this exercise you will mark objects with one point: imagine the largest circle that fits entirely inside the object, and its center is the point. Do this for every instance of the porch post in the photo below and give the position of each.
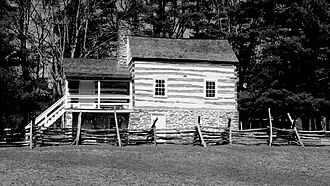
(99, 94)
(66, 93)
(131, 95)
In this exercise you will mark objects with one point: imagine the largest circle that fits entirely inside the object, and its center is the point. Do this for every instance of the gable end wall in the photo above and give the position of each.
(185, 94)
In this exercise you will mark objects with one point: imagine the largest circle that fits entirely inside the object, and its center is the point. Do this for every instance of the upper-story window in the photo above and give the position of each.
(160, 87)
(210, 88)
(113, 87)
(73, 87)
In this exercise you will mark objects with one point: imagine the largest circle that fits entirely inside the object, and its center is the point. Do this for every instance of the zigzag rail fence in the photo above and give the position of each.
(258, 136)
(12, 138)
(42, 136)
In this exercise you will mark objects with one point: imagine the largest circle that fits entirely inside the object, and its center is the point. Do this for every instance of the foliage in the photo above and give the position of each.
(283, 46)
(20, 94)
(284, 56)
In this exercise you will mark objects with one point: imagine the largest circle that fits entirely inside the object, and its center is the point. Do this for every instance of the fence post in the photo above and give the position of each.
(31, 132)
(79, 129)
(200, 131)
(117, 128)
(230, 132)
(295, 130)
(153, 128)
(270, 128)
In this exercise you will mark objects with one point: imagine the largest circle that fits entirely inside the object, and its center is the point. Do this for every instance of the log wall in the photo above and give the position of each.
(185, 94)
(185, 85)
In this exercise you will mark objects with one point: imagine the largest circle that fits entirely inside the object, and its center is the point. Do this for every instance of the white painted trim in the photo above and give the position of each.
(157, 112)
(154, 86)
(66, 92)
(121, 81)
(172, 100)
(202, 84)
(216, 88)
(190, 76)
(98, 94)
(101, 110)
(215, 68)
(157, 105)
(101, 80)
(131, 95)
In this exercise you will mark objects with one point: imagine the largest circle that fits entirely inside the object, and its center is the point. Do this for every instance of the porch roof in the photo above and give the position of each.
(217, 51)
(95, 69)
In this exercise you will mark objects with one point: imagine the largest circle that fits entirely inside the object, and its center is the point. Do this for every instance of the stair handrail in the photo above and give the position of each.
(48, 110)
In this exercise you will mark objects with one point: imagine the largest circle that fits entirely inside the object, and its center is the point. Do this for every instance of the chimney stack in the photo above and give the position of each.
(122, 49)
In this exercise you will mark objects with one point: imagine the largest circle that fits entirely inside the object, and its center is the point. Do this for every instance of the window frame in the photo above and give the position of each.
(165, 87)
(215, 88)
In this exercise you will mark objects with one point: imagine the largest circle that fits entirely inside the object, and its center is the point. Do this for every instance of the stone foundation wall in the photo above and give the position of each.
(184, 118)
(68, 120)
(96, 120)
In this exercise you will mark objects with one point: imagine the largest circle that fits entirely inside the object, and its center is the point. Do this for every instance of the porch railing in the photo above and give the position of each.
(50, 115)
(98, 101)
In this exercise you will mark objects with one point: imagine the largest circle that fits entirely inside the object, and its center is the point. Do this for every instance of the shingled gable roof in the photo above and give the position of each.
(181, 49)
(95, 68)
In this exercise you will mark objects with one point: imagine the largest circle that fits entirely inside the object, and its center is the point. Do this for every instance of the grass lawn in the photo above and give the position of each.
(165, 165)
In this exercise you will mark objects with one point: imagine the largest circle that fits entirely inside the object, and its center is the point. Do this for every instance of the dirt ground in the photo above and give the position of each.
(165, 165)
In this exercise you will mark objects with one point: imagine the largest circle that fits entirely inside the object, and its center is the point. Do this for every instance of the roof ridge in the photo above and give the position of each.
(67, 58)
(181, 49)
(196, 39)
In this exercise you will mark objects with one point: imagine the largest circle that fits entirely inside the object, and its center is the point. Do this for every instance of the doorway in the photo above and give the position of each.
(161, 122)
(87, 87)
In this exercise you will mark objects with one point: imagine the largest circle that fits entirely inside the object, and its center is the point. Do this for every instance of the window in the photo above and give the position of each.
(112, 87)
(160, 88)
(210, 88)
(73, 87)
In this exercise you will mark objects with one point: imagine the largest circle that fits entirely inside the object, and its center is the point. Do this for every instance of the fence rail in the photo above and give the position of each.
(315, 138)
(12, 138)
(258, 136)
(182, 136)
(214, 135)
(42, 136)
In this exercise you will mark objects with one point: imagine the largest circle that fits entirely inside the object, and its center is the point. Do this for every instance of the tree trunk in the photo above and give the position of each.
(305, 123)
(312, 124)
(318, 123)
(75, 37)
(23, 26)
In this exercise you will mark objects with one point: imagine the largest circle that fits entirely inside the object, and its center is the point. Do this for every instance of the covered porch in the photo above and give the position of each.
(97, 84)
(99, 94)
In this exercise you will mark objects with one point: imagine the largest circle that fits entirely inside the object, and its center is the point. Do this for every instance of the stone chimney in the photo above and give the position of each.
(122, 49)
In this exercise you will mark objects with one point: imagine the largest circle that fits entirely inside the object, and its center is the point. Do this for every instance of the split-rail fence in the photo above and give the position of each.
(198, 135)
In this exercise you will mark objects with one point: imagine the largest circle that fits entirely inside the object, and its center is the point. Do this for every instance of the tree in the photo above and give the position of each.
(178, 18)
(283, 50)
(19, 87)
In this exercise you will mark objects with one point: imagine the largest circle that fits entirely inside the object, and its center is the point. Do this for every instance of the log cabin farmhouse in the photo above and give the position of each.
(174, 80)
